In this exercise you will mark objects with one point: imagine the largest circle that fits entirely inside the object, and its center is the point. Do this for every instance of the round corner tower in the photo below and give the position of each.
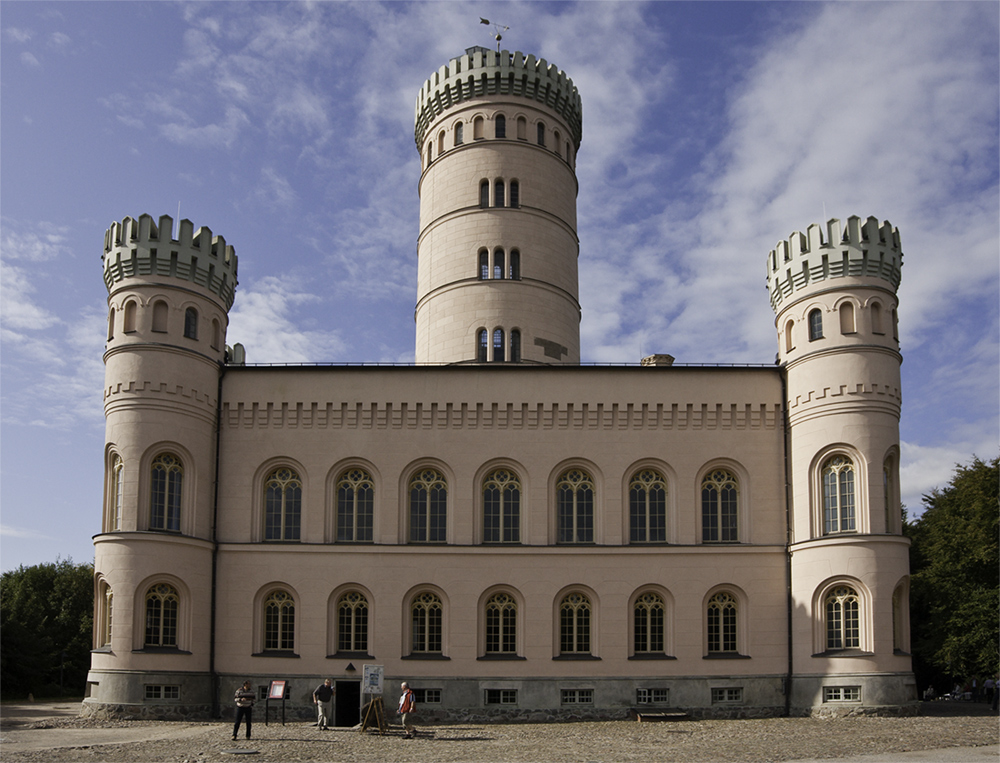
(168, 303)
(498, 134)
(834, 297)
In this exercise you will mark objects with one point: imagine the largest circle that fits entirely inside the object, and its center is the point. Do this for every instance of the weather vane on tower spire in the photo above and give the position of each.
(499, 28)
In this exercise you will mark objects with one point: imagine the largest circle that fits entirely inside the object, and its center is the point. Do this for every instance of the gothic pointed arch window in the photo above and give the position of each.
(279, 622)
(722, 623)
(501, 624)
(161, 616)
(499, 126)
(815, 325)
(355, 506)
(575, 507)
(352, 622)
(191, 323)
(648, 624)
(647, 495)
(483, 346)
(720, 507)
(501, 507)
(117, 492)
(498, 346)
(426, 624)
(841, 607)
(282, 505)
(838, 496)
(575, 616)
(428, 492)
(166, 482)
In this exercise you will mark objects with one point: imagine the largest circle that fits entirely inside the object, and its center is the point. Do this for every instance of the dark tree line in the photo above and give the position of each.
(955, 579)
(46, 621)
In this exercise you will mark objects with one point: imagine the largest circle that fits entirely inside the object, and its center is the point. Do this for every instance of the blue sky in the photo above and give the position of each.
(711, 131)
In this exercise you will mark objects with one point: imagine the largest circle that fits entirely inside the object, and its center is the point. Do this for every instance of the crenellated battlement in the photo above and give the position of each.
(141, 247)
(861, 249)
(481, 72)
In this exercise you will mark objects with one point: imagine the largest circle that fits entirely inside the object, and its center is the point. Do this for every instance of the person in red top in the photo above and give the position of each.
(407, 704)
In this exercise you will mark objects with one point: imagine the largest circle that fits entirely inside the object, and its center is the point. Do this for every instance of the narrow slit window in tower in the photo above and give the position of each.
(498, 263)
(498, 351)
(515, 265)
(541, 134)
(484, 194)
(498, 194)
(515, 346)
(484, 346)
(191, 323)
(515, 194)
(484, 265)
(500, 126)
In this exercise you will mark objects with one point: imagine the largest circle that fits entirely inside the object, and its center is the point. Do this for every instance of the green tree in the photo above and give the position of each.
(46, 620)
(955, 577)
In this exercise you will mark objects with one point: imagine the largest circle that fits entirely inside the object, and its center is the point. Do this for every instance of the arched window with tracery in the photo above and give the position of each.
(426, 624)
(720, 507)
(722, 623)
(574, 624)
(501, 507)
(352, 623)
(355, 506)
(575, 507)
(166, 480)
(161, 616)
(428, 507)
(843, 624)
(648, 613)
(501, 625)
(838, 496)
(647, 497)
(282, 505)
(279, 622)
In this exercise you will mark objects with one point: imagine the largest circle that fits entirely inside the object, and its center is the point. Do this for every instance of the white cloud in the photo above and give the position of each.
(59, 40)
(222, 134)
(29, 59)
(21, 533)
(19, 35)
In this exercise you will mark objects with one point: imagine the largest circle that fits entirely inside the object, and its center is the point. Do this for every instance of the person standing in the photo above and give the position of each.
(245, 698)
(323, 698)
(407, 704)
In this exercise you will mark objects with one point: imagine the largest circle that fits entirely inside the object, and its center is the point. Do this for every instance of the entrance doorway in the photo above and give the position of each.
(348, 708)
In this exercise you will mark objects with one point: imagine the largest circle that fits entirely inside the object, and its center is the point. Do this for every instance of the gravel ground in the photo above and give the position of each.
(736, 741)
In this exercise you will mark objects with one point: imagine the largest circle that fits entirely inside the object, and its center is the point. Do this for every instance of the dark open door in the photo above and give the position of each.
(348, 704)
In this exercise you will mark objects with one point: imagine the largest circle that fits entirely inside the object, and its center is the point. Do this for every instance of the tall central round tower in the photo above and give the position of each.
(498, 134)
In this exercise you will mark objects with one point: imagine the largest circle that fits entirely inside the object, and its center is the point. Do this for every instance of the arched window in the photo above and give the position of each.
(500, 126)
(484, 194)
(458, 134)
(352, 623)
(166, 479)
(720, 507)
(843, 628)
(541, 134)
(515, 346)
(647, 497)
(161, 616)
(847, 318)
(440, 143)
(477, 128)
(426, 624)
(105, 602)
(575, 507)
(648, 624)
(117, 491)
(429, 154)
(282, 505)
(815, 325)
(428, 507)
(501, 624)
(279, 622)
(515, 265)
(160, 311)
(483, 350)
(877, 318)
(515, 194)
(191, 323)
(355, 506)
(788, 336)
(501, 507)
(130, 308)
(556, 140)
(498, 194)
(522, 128)
(111, 324)
(498, 263)
(484, 264)
(574, 624)
(838, 496)
(721, 624)
(498, 349)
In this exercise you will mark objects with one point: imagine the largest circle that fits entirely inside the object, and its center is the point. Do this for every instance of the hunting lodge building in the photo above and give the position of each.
(514, 534)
